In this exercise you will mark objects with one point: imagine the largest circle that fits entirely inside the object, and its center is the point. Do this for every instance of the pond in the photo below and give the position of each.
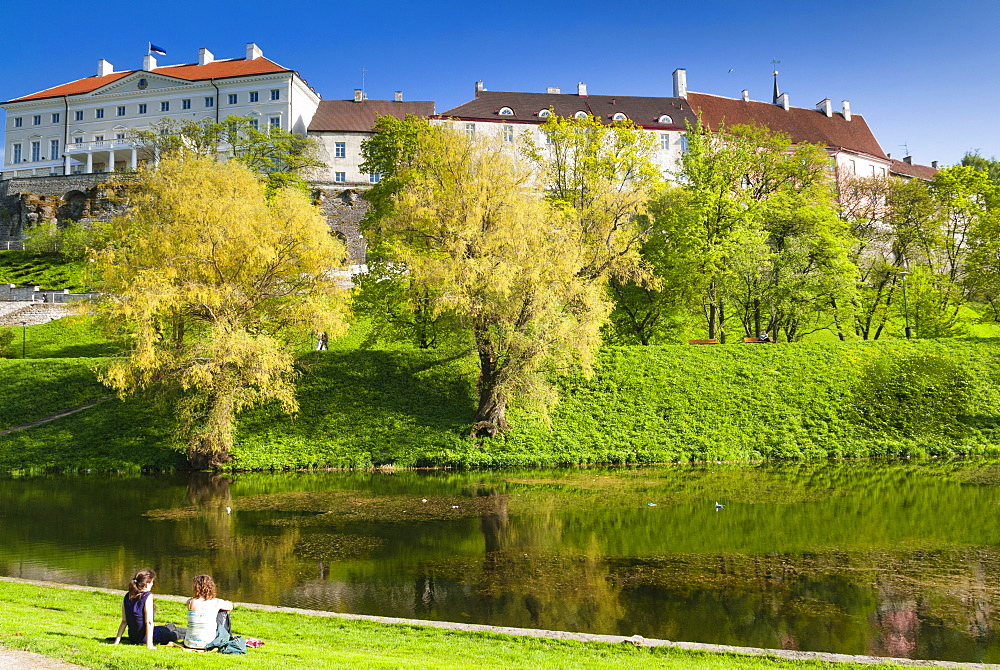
(891, 559)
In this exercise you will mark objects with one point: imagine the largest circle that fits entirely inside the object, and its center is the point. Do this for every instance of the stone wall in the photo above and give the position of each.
(344, 208)
(27, 201)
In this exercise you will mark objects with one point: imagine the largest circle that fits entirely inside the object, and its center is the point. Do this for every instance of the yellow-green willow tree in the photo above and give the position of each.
(463, 218)
(207, 279)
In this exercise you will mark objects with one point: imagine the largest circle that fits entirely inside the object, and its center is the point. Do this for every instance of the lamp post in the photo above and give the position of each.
(906, 308)
(24, 337)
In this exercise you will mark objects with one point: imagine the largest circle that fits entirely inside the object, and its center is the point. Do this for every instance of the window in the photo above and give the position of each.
(550, 138)
(210, 101)
(121, 110)
(36, 151)
(374, 178)
(684, 143)
(544, 113)
(53, 149)
(77, 140)
(18, 122)
(619, 116)
(275, 94)
(508, 133)
(119, 136)
(17, 153)
(470, 129)
(665, 119)
(98, 113)
(506, 111)
(78, 116)
(664, 141)
(164, 106)
(852, 167)
(255, 124)
(142, 108)
(36, 120)
(580, 115)
(340, 177)
(254, 96)
(186, 103)
(98, 138)
(340, 150)
(55, 117)
(274, 122)
(233, 99)
(883, 172)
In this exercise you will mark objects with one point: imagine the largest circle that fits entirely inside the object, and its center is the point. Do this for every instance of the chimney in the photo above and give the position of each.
(746, 95)
(359, 95)
(104, 68)
(908, 160)
(826, 107)
(399, 96)
(581, 89)
(149, 62)
(934, 164)
(680, 83)
(253, 51)
(205, 56)
(553, 90)
(479, 87)
(847, 110)
(783, 101)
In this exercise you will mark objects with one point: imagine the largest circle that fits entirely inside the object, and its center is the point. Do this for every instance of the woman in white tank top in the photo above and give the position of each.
(203, 613)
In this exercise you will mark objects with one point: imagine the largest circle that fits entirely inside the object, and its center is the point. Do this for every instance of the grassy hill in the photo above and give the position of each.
(361, 408)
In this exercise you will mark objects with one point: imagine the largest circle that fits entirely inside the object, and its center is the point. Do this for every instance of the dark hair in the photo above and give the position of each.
(204, 587)
(143, 577)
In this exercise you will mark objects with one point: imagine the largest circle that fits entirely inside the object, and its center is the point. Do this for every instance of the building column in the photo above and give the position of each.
(66, 166)
(111, 161)
(90, 163)
(133, 161)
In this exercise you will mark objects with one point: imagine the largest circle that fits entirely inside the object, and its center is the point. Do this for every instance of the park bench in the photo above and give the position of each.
(703, 341)
(755, 340)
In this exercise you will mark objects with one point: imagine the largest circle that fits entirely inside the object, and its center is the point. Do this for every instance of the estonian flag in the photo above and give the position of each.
(153, 49)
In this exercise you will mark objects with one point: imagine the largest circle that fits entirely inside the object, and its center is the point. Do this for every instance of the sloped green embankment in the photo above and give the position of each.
(672, 403)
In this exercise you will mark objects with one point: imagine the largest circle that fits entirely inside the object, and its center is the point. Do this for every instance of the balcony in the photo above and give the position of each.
(99, 145)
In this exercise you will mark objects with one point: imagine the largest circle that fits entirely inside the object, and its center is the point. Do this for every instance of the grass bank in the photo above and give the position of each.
(72, 625)
(363, 408)
(47, 271)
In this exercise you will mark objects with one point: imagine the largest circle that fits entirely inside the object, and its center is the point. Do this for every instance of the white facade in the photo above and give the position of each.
(88, 132)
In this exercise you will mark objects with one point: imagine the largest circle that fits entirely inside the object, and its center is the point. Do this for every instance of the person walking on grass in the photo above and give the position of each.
(138, 611)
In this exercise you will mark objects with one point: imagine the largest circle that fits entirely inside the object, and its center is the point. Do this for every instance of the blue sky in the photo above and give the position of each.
(922, 73)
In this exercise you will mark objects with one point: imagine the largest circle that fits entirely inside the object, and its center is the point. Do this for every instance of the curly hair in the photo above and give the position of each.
(143, 577)
(204, 587)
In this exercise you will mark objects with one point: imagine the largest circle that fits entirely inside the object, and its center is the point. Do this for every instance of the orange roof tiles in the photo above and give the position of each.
(220, 69)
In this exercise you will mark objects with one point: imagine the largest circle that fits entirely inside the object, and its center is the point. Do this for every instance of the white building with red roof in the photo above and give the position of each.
(83, 126)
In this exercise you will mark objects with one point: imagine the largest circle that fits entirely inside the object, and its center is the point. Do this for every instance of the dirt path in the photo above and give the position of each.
(13, 659)
(53, 418)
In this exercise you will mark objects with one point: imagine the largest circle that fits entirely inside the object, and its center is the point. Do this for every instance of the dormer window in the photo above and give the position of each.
(619, 116)
(506, 111)
(665, 119)
(580, 115)
(544, 113)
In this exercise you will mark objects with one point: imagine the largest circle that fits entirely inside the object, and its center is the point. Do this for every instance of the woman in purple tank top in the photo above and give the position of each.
(138, 611)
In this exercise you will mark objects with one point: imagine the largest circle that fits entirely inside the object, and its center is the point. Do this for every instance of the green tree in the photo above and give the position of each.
(991, 166)
(208, 280)
(285, 157)
(461, 216)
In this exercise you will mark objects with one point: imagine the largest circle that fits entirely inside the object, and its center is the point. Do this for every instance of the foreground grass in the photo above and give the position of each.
(72, 625)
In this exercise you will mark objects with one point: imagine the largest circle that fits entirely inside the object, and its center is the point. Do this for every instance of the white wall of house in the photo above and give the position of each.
(340, 169)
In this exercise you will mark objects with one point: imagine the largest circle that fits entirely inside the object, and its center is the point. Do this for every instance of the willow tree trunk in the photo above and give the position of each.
(209, 444)
(491, 417)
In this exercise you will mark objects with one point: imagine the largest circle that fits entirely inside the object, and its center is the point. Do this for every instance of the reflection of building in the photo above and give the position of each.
(82, 126)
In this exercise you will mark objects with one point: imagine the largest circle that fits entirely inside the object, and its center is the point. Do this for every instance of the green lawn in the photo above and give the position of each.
(72, 625)
(43, 270)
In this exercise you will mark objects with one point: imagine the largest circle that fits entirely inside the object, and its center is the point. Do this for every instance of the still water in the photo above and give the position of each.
(875, 558)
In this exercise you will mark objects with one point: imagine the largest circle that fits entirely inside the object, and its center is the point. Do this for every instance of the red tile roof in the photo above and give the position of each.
(803, 125)
(905, 169)
(350, 116)
(643, 111)
(219, 69)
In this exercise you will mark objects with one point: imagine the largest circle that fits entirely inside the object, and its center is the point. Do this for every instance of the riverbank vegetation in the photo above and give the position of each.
(72, 625)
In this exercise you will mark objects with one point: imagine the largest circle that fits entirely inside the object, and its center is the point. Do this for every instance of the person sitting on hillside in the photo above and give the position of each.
(206, 614)
(138, 611)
